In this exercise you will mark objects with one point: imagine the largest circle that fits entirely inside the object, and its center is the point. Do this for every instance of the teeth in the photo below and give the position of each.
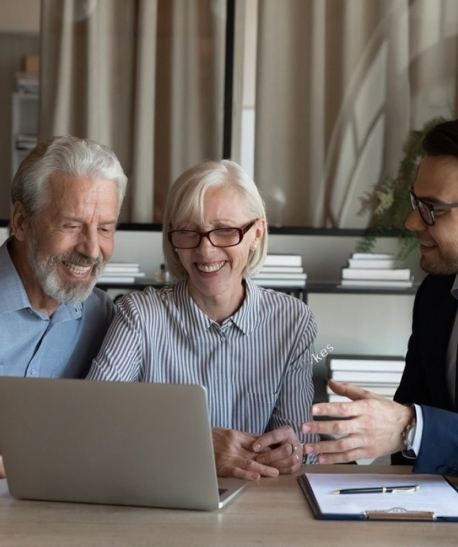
(210, 267)
(79, 270)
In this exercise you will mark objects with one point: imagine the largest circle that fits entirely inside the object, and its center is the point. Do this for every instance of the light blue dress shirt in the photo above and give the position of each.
(36, 345)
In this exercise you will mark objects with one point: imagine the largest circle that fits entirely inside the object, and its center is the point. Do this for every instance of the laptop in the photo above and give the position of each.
(117, 443)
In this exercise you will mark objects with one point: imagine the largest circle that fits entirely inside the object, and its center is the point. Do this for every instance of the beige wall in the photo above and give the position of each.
(19, 15)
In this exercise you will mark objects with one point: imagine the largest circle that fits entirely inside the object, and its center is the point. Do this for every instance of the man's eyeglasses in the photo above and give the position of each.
(426, 209)
(220, 237)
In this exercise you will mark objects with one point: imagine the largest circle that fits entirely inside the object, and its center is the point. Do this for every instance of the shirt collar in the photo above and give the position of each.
(454, 290)
(13, 296)
(196, 323)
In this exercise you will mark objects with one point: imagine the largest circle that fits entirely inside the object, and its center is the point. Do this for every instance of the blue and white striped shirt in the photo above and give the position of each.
(256, 365)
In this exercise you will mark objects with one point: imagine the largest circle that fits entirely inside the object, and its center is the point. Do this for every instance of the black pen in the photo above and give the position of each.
(379, 489)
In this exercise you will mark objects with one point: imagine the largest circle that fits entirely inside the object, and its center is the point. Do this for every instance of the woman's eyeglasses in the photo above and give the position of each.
(426, 209)
(220, 237)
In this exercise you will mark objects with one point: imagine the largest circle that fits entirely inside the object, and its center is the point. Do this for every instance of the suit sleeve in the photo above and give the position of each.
(439, 444)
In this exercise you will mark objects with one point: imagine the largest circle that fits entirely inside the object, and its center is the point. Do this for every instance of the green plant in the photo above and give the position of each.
(389, 202)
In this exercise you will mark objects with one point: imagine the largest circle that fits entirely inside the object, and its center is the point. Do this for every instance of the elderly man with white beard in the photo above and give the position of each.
(66, 197)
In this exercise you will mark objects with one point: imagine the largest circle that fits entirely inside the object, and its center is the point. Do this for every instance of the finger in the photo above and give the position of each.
(333, 427)
(239, 473)
(281, 453)
(345, 457)
(345, 444)
(290, 469)
(247, 465)
(339, 410)
(349, 390)
(277, 436)
(294, 461)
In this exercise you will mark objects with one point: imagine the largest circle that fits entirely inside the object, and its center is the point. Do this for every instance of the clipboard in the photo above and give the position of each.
(438, 501)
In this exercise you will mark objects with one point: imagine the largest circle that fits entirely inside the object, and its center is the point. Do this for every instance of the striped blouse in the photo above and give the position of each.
(256, 366)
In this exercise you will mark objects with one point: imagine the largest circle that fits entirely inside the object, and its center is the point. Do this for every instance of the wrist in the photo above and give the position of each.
(408, 432)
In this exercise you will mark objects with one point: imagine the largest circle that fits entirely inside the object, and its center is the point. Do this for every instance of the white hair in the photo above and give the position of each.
(67, 155)
(186, 200)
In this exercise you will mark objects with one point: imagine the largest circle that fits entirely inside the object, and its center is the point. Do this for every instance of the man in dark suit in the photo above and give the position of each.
(423, 422)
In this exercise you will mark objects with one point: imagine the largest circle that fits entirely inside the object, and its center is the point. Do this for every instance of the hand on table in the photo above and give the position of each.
(284, 449)
(373, 429)
(234, 456)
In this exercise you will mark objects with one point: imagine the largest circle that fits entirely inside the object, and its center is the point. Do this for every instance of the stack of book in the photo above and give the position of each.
(28, 82)
(281, 270)
(25, 141)
(379, 374)
(376, 271)
(120, 272)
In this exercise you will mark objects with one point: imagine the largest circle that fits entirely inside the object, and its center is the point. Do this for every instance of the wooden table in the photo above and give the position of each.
(270, 513)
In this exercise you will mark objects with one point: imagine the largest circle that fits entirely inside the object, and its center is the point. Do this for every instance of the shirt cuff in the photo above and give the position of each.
(416, 444)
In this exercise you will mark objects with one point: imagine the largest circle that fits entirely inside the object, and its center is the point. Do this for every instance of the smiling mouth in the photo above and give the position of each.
(76, 269)
(210, 268)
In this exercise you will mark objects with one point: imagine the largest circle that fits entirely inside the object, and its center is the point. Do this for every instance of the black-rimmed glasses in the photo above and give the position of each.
(426, 209)
(219, 237)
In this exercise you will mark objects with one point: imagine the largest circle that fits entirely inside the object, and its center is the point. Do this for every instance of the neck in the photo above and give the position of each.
(219, 307)
(38, 299)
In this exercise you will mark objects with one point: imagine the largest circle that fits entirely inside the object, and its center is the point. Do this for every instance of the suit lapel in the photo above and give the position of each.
(440, 323)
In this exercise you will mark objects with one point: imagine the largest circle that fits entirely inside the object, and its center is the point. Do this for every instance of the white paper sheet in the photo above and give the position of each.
(435, 494)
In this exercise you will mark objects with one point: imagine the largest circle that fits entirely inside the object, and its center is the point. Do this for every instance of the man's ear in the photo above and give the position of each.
(20, 222)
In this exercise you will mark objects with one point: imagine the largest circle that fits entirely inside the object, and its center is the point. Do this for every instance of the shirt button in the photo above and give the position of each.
(33, 371)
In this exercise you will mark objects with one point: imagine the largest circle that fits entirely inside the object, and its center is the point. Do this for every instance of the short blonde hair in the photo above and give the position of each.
(186, 200)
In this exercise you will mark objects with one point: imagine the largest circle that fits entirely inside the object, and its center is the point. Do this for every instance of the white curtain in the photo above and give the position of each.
(339, 85)
(144, 77)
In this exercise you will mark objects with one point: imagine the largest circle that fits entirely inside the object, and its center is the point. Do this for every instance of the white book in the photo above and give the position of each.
(116, 279)
(121, 269)
(367, 377)
(383, 275)
(283, 260)
(286, 276)
(367, 364)
(274, 283)
(123, 274)
(123, 265)
(282, 269)
(375, 284)
(371, 264)
(372, 256)
(387, 390)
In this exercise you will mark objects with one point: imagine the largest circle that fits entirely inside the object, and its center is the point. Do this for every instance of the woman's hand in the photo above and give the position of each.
(280, 449)
(235, 457)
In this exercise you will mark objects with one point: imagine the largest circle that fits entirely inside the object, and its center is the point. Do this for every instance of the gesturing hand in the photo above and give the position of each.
(284, 450)
(373, 429)
(234, 456)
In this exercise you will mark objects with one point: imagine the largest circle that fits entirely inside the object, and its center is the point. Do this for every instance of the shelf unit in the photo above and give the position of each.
(24, 121)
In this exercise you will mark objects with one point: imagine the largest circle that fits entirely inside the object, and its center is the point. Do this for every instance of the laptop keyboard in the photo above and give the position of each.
(222, 491)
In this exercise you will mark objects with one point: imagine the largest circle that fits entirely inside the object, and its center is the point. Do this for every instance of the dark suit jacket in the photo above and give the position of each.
(424, 379)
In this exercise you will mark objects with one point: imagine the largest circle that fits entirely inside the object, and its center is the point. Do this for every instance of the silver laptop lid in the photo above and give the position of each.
(108, 442)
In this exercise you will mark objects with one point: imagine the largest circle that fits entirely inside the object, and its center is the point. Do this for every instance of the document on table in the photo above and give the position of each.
(435, 498)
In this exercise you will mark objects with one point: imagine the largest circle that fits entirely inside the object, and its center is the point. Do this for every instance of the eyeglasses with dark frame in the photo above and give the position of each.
(219, 237)
(426, 209)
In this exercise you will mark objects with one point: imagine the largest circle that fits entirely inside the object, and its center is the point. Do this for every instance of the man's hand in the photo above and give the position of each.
(280, 449)
(234, 456)
(2, 469)
(373, 429)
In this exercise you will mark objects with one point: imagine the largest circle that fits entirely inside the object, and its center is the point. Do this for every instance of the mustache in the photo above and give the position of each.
(74, 257)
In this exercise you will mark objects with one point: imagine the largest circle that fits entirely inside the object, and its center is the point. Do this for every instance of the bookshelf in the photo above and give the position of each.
(24, 122)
